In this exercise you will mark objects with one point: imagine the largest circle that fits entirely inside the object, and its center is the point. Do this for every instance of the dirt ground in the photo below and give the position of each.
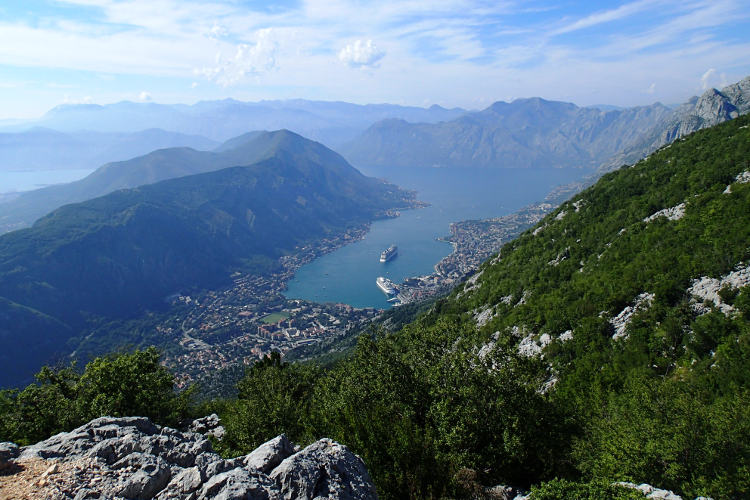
(31, 480)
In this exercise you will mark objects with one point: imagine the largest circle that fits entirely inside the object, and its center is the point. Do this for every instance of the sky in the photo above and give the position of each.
(413, 52)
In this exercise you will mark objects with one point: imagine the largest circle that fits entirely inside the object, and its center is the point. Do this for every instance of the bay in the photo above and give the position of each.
(17, 181)
(348, 274)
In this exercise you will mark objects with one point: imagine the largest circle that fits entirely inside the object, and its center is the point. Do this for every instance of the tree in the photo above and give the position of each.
(274, 398)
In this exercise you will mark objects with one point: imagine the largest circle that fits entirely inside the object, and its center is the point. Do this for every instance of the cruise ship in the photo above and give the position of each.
(389, 253)
(386, 285)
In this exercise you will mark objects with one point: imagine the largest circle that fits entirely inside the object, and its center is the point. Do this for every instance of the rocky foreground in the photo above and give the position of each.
(134, 458)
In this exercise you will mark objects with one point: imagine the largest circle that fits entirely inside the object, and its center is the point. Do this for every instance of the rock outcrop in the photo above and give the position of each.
(653, 492)
(133, 458)
(711, 108)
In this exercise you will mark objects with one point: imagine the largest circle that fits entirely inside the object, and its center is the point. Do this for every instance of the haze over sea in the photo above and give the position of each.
(348, 274)
(22, 180)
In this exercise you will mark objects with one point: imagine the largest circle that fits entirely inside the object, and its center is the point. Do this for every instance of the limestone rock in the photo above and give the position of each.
(325, 469)
(270, 454)
(8, 452)
(711, 108)
(133, 458)
(209, 426)
(653, 492)
(238, 484)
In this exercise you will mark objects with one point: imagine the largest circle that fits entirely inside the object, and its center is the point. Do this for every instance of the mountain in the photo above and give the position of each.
(116, 255)
(711, 108)
(522, 134)
(332, 123)
(156, 166)
(608, 344)
(630, 305)
(47, 149)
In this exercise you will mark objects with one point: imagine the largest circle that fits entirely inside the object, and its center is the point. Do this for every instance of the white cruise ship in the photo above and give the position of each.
(389, 253)
(386, 285)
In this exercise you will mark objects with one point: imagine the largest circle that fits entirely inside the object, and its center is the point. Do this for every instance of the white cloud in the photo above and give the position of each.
(456, 52)
(706, 78)
(217, 31)
(144, 96)
(248, 60)
(607, 16)
(711, 79)
(361, 53)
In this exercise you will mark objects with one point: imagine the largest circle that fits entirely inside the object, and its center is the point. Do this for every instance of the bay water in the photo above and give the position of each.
(348, 274)
(17, 181)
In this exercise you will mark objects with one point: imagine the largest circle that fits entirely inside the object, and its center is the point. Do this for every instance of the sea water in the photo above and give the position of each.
(348, 274)
(17, 181)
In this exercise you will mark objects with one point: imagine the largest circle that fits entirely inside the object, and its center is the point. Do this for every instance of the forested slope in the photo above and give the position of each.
(611, 342)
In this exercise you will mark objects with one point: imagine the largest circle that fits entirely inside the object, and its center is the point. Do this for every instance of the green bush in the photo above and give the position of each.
(127, 384)
(559, 489)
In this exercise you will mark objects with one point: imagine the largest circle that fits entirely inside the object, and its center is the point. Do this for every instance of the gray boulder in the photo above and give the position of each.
(653, 492)
(238, 484)
(270, 454)
(325, 469)
(209, 426)
(8, 453)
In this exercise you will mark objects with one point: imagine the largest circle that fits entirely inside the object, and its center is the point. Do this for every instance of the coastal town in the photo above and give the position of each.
(473, 242)
(252, 318)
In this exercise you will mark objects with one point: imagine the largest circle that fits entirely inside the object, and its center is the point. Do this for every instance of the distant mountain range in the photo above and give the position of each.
(47, 149)
(534, 132)
(332, 123)
(525, 133)
(114, 256)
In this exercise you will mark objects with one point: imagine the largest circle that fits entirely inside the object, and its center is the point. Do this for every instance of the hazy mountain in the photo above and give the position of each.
(524, 133)
(117, 254)
(711, 108)
(47, 149)
(332, 123)
(147, 169)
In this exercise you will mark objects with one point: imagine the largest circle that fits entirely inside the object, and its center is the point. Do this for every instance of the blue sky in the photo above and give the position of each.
(447, 52)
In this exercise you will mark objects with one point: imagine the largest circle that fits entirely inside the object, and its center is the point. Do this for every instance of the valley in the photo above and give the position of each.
(228, 328)
(567, 314)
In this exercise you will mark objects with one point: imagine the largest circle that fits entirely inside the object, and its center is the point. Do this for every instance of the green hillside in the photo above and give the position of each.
(584, 351)
(159, 165)
(114, 256)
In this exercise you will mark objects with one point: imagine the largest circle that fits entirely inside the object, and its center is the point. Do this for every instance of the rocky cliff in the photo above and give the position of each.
(711, 108)
(133, 458)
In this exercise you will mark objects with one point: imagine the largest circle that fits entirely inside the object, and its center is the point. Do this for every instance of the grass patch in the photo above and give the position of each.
(275, 317)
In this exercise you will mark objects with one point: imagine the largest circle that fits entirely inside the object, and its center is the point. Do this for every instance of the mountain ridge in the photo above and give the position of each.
(526, 133)
(152, 167)
(331, 122)
(710, 108)
(124, 252)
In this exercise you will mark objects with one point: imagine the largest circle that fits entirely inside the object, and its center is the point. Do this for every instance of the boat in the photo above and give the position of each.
(389, 253)
(386, 286)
